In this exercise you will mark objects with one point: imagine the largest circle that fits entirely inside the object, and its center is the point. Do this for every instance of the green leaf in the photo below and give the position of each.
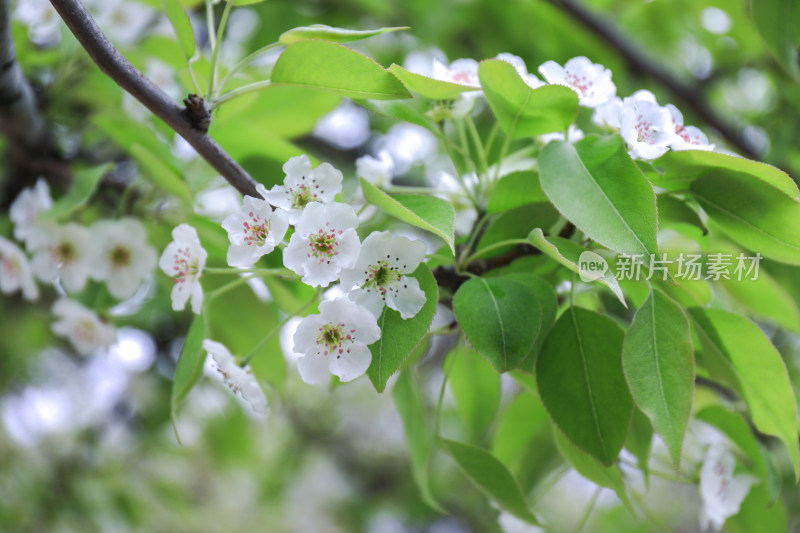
(399, 337)
(335, 68)
(597, 187)
(520, 110)
(429, 87)
(579, 373)
(590, 468)
(183, 27)
(658, 363)
(759, 217)
(682, 167)
(329, 33)
(640, 441)
(160, 173)
(567, 253)
(777, 21)
(83, 186)
(672, 211)
(419, 438)
(476, 390)
(190, 363)
(492, 477)
(737, 351)
(514, 190)
(517, 223)
(501, 318)
(425, 212)
(246, 2)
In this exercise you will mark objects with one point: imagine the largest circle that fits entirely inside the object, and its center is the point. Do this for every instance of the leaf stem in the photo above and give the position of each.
(215, 49)
(588, 512)
(501, 244)
(243, 63)
(240, 91)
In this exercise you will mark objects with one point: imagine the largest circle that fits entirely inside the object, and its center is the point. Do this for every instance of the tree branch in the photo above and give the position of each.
(29, 143)
(638, 61)
(181, 119)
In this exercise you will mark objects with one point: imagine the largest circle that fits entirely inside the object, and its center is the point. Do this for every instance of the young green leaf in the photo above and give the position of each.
(640, 441)
(476, 390)
(658, 363)
(425, 212)
(737, 351)
(399, 337)
(597, 187)
(501, 318)
(517, 223)
(83, 186)
(335, 68)
(759, 217)
(418, 437)
(329, 33)
(492, 477)
(514, 190)
(181, 25)
(520, 110)
(429, 87)
(190, 363)
(580, 379)
(682, 167)
(567, 253)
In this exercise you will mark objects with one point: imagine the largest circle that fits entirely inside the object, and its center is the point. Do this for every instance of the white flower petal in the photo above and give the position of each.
(314, 369)
(351, 364)
(409, 300)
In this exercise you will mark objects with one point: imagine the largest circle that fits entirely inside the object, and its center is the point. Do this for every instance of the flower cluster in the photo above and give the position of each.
(67, 255)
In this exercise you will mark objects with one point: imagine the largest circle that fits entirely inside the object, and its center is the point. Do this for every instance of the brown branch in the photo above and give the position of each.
(638, 61)
(181, 119)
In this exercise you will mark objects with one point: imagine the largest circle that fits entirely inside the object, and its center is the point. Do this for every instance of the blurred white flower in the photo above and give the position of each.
(511, 524)
(517, 62)
(591, 81)
(451, 189)
(81, 327)
(222, 366)
(608, 115)
(378, 171)
(460, 71)
(26, 207)
(324, 242)
(254, 231)
(184, 259)
(646, 126)
(302, 186)
(721, 491)
(407, 144)
(335, 341)
(574, 134)
(381, 275)
(123, 21)
(122, 257)
(686, 137)
(42, 20)
(15, 272)
(346, 127)
(62, 253)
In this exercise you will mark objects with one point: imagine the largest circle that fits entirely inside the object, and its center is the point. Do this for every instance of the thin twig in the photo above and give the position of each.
(113, 64)
(690, 95)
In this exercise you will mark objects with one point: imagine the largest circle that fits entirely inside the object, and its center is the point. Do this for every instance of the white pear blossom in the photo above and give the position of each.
(184, 259)
(15, 272)
(574, 134)
(608, 115)
(686, 137)
(62, 253)
(450, 188)
(26, 208)
(324, 242)
(122, 20)
(517, 62)
(721, 491)
(122, 257)
(378, 171)
(335, 341)
(222, 366)
(591, 81)
(646, 126)
(303, 186)
(42, 20)
(460, 71)
(381, 275)
(81, 327)
(254, 231)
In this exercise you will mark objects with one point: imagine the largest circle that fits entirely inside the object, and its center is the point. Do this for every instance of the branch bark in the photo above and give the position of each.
(638, 61)
(114, 65)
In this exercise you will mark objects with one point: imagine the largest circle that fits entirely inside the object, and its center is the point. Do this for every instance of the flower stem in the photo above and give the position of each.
(246, 359)
(240, 91)
(215, 49)
(588, 512)
(476, 140)
(495, 246)
(243, 63)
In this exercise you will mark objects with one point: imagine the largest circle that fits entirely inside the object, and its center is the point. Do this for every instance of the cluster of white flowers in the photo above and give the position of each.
(648, 128)
(68, 255)
(324, 248)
